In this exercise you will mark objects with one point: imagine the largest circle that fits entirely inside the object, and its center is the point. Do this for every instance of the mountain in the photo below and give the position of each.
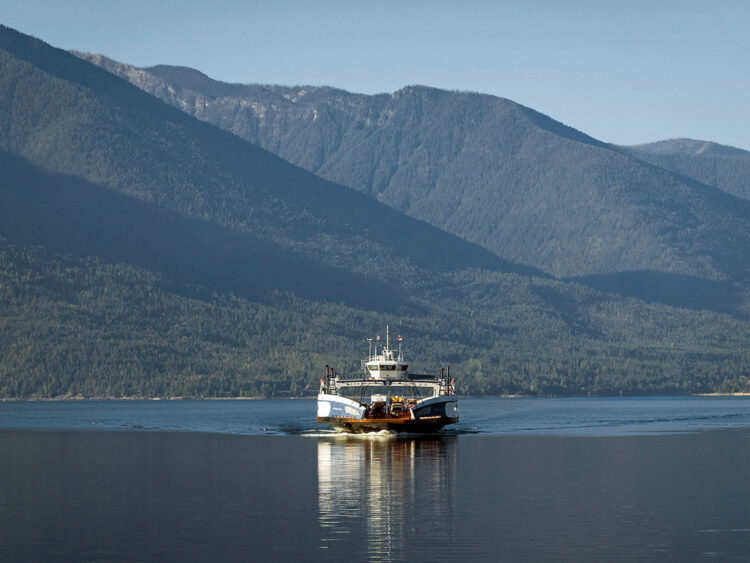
(146, 253)
(111, 134)
(93, 168)
(720, 166)
(491, 171)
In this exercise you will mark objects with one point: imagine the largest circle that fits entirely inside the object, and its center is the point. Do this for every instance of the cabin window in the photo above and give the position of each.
(372, 368)
(387, 368)
(403, 368)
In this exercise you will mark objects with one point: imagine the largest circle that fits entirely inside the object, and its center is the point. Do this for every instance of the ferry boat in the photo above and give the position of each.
(385, 396)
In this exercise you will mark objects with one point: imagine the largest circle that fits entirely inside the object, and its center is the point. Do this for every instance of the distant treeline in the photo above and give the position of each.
(73, 326)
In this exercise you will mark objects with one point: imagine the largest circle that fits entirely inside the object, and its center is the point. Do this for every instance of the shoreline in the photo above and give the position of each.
(67, 398)
(735, 394)
(80, 398)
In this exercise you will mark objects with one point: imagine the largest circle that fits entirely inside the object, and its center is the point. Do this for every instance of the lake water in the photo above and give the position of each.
(518, 479)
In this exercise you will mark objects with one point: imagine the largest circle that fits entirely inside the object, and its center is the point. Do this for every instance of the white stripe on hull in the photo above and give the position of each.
(333, 405)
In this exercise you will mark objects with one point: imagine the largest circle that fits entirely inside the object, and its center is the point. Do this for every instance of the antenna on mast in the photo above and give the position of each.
(370, 352)
(387, 347)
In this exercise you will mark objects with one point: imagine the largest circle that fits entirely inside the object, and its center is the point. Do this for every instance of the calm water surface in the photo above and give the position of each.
(569, 479)
(550, 417)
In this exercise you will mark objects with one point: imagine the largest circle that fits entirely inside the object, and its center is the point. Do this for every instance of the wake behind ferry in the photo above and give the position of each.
(387, 397)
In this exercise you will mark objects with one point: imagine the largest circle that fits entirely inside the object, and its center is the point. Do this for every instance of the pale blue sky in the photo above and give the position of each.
(625, 72)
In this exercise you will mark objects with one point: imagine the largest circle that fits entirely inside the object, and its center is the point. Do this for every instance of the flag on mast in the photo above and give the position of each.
(399, 338)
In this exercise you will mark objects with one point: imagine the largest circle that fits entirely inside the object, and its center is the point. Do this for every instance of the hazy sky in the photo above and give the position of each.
(625, 72)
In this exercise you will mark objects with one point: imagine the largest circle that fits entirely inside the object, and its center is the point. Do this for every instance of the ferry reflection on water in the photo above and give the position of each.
(382, 498)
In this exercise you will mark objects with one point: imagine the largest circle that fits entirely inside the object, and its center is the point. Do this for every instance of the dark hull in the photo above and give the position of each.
(363, 425)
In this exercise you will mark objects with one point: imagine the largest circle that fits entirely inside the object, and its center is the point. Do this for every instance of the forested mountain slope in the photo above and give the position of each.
(146, 253)
(522, 185)
(723, 167)
(71, 117)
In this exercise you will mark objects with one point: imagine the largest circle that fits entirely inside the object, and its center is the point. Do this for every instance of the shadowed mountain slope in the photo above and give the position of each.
(70, 117)
(522, 185)
(72, 216)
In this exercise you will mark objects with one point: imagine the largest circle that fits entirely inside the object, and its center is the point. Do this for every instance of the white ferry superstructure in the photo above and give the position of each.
(387, 397)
